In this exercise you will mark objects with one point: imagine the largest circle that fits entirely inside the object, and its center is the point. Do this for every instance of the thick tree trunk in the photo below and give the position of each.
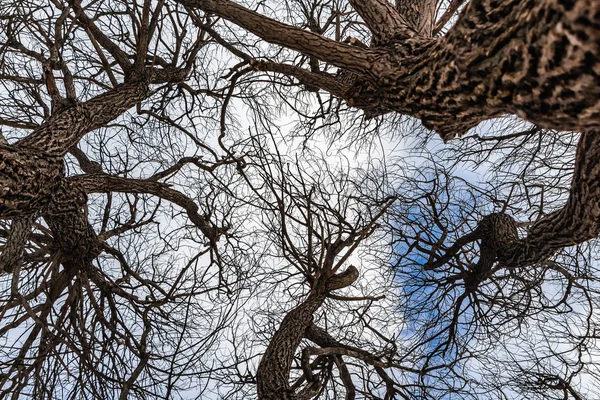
(578, 221)
(537, 59)
(13, 251)
(32, 172)
(273, 372)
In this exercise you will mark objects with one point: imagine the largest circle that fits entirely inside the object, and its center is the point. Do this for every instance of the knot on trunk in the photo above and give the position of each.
(343, 279)
(499, 235)
(498, 232)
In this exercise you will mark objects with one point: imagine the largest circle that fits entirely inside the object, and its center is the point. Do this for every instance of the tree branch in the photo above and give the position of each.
(341, 55)
(382, 19)
(63, 130)
(540, 62)
(13, 251)
(102, 183)
(419, 15)
(449, 13)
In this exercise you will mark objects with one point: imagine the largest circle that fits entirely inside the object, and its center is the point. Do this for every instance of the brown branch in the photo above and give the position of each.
(63, 130)
(13, 251)
(309, 43)
(419, 15)
(102, 183)
(322, 80)
(88, 166)
(382, 19)
(115, 51)
(18, 124)
(576, 222)
(449, 13)
(480, 70)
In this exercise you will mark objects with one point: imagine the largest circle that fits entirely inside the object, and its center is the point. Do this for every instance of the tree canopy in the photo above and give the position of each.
(299, 199)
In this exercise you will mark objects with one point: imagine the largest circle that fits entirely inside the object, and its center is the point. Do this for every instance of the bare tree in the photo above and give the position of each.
(151, 221)
(99, 290)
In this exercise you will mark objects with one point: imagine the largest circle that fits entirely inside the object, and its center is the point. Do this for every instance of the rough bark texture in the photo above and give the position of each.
(63, 130)
(419, 15)
(273, 373)
(29, 178)
(536, 59)
(12, 253)
(578, 221)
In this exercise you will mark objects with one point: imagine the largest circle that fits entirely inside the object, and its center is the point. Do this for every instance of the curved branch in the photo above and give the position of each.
(322, 80)
(540, 61)
(578, 221)
(341, 55)
(102, 183)
(273, 372)
(382, 19)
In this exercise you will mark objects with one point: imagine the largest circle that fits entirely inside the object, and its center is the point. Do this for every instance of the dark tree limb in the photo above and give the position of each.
(578, 221)
(382, 19)
(312, 44)
(449, 13)
(13, 251)
(273, 372)
(322, 80)
(102, 183)
(539, 60)
(64, 130)
(419, 15)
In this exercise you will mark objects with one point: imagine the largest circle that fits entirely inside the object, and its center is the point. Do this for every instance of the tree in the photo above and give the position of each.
(141, 238)
(95, 280)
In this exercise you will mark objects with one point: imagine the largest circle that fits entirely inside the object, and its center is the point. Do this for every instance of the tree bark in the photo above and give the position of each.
(13, 251)
(536, 59)
(419, 15)
(578, 221)
(64, 130)
(273, 374)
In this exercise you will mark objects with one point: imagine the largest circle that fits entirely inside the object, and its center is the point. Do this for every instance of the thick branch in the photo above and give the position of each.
(28, 180)
(382, 18)
(322, 80)
(341, 55)
(13, 251)
(102, 183)
(540, 62)
(63, 130)
(273, 372)
(419, 15)
(577, 222)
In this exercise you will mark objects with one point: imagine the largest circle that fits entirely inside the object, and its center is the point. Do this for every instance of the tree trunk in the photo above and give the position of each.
(273, 374)
(536, 59)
